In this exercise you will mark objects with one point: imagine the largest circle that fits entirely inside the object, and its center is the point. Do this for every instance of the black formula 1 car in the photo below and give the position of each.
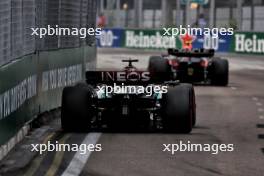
(129, 97)
(191, 66)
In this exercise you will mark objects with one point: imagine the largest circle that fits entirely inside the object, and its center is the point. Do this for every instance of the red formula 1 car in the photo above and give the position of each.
(192, 66)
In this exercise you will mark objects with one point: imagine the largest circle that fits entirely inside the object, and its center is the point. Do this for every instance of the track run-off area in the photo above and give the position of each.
(225, 115)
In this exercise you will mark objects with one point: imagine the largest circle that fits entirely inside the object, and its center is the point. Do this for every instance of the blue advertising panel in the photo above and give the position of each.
(222, 43)
(110, 38)
(116, 37)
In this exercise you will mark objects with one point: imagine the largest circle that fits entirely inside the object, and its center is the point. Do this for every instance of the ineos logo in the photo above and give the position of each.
(125, 76)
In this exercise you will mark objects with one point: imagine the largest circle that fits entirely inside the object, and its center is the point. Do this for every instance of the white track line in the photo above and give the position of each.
(79, 160)
(260, 110)
(233, 88)
(259, 104)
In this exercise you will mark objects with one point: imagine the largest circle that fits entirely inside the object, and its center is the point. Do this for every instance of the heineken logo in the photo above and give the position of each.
(141, 40)
(251, 44)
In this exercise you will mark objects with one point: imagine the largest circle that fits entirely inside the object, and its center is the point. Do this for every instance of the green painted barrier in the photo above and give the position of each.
(33, 84)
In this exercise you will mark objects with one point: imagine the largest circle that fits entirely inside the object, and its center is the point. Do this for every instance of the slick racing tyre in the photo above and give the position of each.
(159, 68)
(76, 109)
(220, 72)
(178, 109)
(193, 105)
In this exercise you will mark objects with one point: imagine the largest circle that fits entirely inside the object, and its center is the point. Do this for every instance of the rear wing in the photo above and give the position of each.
(191, 53)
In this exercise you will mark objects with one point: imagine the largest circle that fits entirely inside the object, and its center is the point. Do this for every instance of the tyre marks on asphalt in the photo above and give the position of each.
(62, 162)
(48, 163)
(79, 160)
(56, 163)
(37, 161)
(261, 136)
(260, 125)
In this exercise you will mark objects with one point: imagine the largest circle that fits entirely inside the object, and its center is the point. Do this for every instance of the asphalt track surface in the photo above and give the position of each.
(225, 115)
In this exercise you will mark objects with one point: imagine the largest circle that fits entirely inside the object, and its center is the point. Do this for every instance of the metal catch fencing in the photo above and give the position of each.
(17, 17)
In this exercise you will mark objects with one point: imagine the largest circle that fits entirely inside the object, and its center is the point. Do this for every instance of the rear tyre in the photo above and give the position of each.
(193, 108)
(76, 110)
(220, 72)
(178, 109)
(159, 68)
